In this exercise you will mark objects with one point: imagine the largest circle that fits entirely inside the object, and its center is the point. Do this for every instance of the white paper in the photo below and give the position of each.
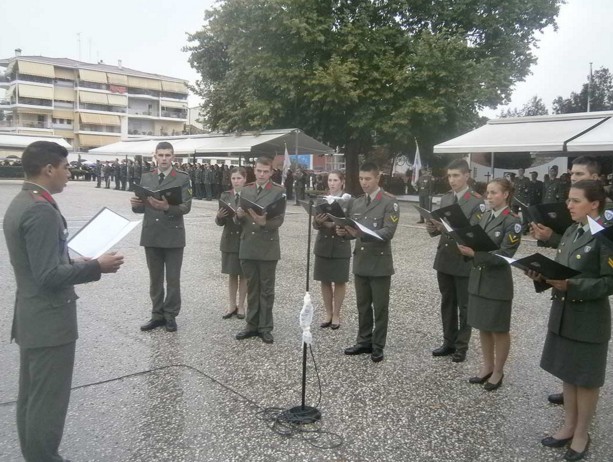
(105, 230)
(368, 231)
(595, 227)
(446, 225)
(508, 259)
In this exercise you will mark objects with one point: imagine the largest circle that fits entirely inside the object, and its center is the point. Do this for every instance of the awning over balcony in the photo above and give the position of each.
(269, 142)
(99, 119)
(35, 91)
(93, 98)
(64, 94)
(118, 100)
(545, 134)
(97, 140)
(92, 76)
(38, 69)
(174, 104)
(116, 79)
(141, 82)
(174, 87)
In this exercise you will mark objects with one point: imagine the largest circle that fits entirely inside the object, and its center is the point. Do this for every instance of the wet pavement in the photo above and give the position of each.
(197, 395)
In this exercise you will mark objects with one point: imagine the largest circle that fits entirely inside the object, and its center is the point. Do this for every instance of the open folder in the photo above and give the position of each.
(344, 221)
(539, 263)
(554, 215)
(272, 210)
(173, 195)
(454, 216)
(324, 207)
(473, 236)
(101, 233)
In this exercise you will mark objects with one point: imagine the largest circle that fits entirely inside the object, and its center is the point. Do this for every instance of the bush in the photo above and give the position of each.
(11, 171)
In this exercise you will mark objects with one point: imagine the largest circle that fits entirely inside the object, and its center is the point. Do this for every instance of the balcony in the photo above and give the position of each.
(16, 124)
(132, 91)
(34, 78)
(179, 96)
(102, 108)
(175, 114)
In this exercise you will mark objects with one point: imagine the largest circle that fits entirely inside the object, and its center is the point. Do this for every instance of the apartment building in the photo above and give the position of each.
(90, 105)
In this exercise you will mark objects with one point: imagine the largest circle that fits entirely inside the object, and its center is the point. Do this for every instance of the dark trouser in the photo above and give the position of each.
(260, 276)
(117, 183)
(107, 182)
(197, 190)
(131, 183)
(124, 182)
(454, 310)
(159, 259)
(372, 296)
(207, 191)
(425, 201)
(98, 181)
(45, 377)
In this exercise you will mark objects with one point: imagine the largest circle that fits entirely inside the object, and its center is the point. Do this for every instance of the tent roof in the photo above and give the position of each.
(554, 133)
(21, 141)
(269, 142)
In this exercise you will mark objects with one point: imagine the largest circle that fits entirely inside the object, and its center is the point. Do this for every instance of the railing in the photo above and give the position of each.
(174, 115)
(143, 92)
(18, 124)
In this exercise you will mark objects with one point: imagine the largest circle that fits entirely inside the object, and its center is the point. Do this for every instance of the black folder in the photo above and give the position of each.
(474, 237)
(333, 209)
(453, 215)
(547, 267)
(425, 214)
(555, 216)
(272, 210)
(173, 195)
(227, 207)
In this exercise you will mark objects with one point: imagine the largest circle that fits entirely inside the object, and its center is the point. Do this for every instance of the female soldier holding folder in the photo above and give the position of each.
(579, 326)
(230, 244)
(332, 255)
(490, 286)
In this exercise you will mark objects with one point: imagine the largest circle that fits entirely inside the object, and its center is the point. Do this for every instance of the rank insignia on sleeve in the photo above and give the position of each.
(608, 214)
(513, 239)
(394, 218)
(482, 207)
(517, 228)
(611, 262)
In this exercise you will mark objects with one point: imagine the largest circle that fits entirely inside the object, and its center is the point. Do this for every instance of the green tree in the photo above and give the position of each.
(601, 95)
(534, 107)
(363, 73)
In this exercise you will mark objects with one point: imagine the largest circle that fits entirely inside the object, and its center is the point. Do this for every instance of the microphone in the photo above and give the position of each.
(344, 198)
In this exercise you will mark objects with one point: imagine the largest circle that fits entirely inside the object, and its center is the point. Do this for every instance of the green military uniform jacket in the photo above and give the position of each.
(261, 242)
(373, 257)
(490, 275)
(553, 191)
(231, 235)
(448, 258)
(535, 195)
(425, 185)
(328, 244)
(522, 189)
(165, 229)
(45, 303)
(583, 312)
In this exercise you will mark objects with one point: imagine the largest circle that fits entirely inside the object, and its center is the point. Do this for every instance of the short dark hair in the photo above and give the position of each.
(240, 170)
(264, 161)
(370, 167)
(40, 154)
(593, 191)
(458, 164)
(164, 145)
(590, 163)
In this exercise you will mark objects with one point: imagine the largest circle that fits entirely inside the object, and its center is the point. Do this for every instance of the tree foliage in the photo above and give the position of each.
(360, 74)
(601, 95)
(534, 107)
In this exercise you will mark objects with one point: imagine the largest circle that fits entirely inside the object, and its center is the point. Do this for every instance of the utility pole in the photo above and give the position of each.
(589, 89)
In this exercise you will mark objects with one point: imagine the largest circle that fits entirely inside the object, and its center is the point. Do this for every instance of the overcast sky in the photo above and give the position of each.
(149, 35)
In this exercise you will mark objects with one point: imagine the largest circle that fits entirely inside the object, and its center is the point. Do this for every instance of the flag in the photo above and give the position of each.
(287, 163)
(416, 166)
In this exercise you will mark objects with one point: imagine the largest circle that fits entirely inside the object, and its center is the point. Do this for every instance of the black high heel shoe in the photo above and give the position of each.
(230, 314)
(323, 325)
(552, 442)
(489, 386)
(480, 380)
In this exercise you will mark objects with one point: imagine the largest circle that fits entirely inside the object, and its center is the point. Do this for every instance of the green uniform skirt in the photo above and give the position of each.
(489, 315)
(230, 264)
(331, 269)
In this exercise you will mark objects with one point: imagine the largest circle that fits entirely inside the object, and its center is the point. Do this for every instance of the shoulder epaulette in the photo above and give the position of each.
(250, 184)
(181, 171)
(391, 196)
(476, 194)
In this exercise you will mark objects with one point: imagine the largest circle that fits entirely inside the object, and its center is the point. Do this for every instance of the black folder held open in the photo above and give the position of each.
(173, 195)
(272, 210)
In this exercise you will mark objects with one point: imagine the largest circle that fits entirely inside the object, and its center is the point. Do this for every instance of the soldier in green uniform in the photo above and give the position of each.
(490, 285)
(452, 270)
(553, 190)
(522, 189)
(535, 195)
(579, 328)
(260, 251)
(230, 245)
(373, 264)
(98, 171)
(163, 236)
(424, 190)
(45, 318)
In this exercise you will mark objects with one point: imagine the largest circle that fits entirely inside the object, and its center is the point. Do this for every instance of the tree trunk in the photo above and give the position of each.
(352, 171)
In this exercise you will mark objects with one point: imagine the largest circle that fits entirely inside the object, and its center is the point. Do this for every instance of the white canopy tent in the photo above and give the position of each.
(13, 144)
(268, 142)
(560, 133)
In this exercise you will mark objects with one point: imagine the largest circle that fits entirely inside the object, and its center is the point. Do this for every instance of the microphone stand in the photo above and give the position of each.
(304, 414)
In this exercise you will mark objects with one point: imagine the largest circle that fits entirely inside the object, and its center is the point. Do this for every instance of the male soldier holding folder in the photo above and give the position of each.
(452, 271)
(45, 319)
(373, 264)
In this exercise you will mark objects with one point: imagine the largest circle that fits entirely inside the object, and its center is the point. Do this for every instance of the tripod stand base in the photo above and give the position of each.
(303, 415)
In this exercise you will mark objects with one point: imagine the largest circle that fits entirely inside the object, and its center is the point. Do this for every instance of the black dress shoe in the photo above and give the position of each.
(335, 326)
(571, 454)
(153, 324)
(443, 351)
(489, 386)
(240, 315)
(459, 357)
(267, 337)
(552, 442)
(323, 325)
(377, 355)
(480, 380)
(556, 398)
(243, 334)
(230, 314)
(358, 350)
(171, 325)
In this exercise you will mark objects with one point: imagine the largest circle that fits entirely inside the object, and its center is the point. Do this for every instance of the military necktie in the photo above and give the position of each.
(259, 190)
(455, 198)
(162, 176)
(580, 232)
(367, 200)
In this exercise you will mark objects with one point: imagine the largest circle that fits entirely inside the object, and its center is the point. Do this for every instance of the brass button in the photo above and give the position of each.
(361, 248)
